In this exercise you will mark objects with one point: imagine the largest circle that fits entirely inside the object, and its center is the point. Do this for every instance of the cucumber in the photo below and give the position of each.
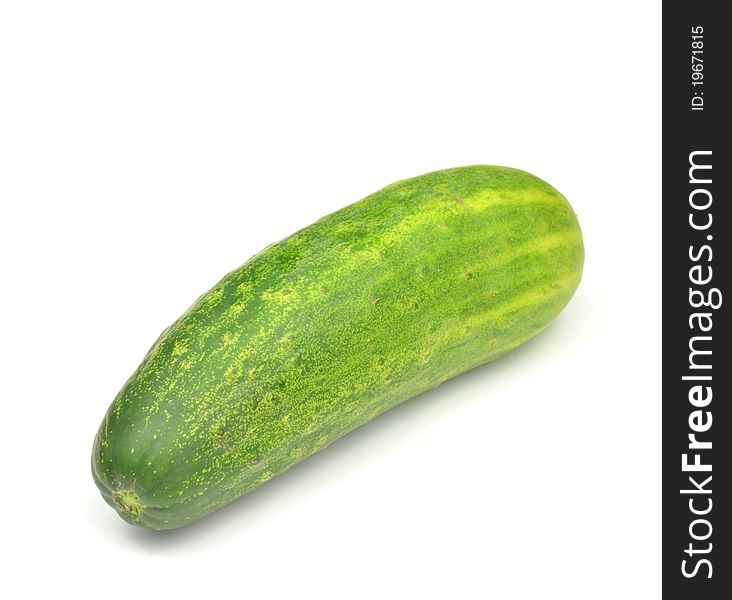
(330, 327)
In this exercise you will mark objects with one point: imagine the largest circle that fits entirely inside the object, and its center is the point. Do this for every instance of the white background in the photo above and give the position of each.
(147, 148)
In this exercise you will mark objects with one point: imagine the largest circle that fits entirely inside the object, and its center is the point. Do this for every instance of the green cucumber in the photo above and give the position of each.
(330, 327)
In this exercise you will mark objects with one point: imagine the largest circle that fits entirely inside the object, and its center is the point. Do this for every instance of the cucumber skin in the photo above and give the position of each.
(328, 328)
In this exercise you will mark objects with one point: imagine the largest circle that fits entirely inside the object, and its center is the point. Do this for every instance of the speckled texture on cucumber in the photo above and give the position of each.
(330, 327)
